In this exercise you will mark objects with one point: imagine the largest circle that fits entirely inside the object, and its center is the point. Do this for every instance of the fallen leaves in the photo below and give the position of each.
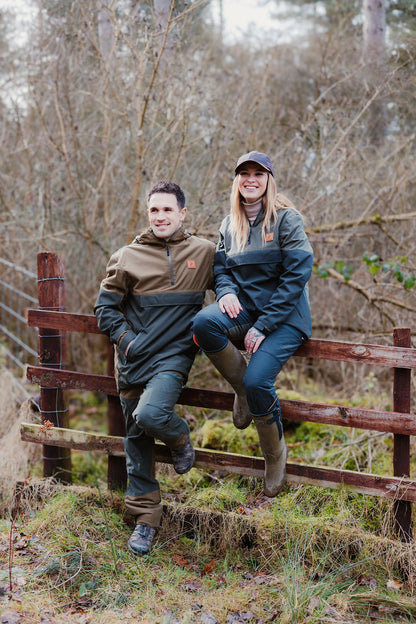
(184, 563)
(394, 585)
(209, 567)
(181, 561)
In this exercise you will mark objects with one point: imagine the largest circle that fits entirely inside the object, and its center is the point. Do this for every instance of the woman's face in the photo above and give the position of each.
(252, 182)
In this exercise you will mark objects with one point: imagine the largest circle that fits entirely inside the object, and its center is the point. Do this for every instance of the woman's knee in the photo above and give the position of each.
(257, 386)
(253, 384)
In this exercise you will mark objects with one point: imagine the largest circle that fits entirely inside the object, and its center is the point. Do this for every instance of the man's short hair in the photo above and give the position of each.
(163, 186)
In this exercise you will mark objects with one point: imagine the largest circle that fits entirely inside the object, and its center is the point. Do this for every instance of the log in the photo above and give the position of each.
(62, 320)
(393, 357)
(345, 416)
(387, 487)
(378, 355)
(53, 354)
(402, 385)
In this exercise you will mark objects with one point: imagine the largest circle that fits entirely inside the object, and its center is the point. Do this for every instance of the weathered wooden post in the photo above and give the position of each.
(53, 353)
(116, 475)
(401, 450)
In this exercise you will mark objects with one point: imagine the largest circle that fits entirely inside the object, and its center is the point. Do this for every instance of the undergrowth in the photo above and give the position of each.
(224, 553)
(259, 562)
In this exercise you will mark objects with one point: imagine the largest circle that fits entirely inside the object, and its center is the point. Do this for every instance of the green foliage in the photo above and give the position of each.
(88, 412)
(396, 268)
(223, 436)
(336, 506)
(227, 496)
(346, 270)
(89, 468)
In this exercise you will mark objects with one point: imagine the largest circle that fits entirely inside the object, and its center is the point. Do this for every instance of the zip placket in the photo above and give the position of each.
(172, 280)
(249, 233)
(256, 221)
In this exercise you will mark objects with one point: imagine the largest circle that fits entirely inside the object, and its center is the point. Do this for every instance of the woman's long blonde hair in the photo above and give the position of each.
(272, 203)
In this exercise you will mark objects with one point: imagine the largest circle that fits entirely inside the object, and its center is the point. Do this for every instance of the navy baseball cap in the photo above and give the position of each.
(257, 157)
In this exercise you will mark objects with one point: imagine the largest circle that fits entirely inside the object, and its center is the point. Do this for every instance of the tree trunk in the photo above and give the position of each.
(374, 15)
(374, 57)
(106, 37)
(163, 9)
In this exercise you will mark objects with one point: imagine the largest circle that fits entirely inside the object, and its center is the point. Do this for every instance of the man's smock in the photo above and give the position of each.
(151, 292)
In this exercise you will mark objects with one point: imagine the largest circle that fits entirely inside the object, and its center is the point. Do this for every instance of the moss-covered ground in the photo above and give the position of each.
(225, 553)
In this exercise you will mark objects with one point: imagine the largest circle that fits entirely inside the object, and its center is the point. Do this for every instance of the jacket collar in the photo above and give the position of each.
(259, 218)
(147, 237)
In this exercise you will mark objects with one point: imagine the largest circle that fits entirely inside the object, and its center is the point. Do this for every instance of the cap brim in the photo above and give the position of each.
(254, 162)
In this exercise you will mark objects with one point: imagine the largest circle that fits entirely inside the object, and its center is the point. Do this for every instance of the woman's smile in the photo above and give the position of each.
(252, 182)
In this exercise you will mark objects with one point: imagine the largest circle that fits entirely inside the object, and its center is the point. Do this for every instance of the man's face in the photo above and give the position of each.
(165, 216)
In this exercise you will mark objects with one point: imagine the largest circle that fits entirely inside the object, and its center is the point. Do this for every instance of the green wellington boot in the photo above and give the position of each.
(274, 452)
(232, 366)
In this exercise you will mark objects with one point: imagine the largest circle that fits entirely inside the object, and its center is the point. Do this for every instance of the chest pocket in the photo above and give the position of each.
(271, 257)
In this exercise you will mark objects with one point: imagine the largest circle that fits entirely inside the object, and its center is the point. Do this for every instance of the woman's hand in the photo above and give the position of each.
(253, 340)
(230, 304)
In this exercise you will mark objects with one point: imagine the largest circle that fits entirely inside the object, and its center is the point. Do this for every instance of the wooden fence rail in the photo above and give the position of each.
(53, 377)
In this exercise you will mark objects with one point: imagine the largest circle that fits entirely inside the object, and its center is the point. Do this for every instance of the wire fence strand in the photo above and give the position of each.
(18, 341)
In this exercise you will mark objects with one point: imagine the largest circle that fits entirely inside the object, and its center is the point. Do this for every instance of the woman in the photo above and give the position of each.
(262, 266)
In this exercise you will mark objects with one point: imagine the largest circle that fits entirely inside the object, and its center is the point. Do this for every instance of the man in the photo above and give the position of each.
(146, 304)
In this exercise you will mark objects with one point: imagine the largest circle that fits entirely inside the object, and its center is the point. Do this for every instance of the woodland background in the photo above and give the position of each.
(103, 98)
(98, 100)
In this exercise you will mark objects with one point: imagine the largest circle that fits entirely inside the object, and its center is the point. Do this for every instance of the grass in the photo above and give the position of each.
(70, 551)
(225, 554)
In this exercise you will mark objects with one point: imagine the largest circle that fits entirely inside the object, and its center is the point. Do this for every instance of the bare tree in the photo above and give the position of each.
(102, 122)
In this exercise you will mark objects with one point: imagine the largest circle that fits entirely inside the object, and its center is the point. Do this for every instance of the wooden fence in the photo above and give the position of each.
(53, 378)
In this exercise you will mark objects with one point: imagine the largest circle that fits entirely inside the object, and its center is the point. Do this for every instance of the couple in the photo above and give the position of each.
(150, 305)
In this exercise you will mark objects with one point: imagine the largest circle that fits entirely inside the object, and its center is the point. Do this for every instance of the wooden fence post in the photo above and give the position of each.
(53, 353)
(401, 451)
(116, 475)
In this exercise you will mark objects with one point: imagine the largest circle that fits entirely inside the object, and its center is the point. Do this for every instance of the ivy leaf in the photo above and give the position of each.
(347, 271)
(410, 282)
(398, 273)
(369, 258)
(322, 272)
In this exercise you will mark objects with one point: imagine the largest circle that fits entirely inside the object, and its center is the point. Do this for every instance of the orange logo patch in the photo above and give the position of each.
(191, 264)
(269, 237)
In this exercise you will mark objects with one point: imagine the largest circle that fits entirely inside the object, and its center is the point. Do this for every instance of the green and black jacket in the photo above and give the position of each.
(150, 294)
